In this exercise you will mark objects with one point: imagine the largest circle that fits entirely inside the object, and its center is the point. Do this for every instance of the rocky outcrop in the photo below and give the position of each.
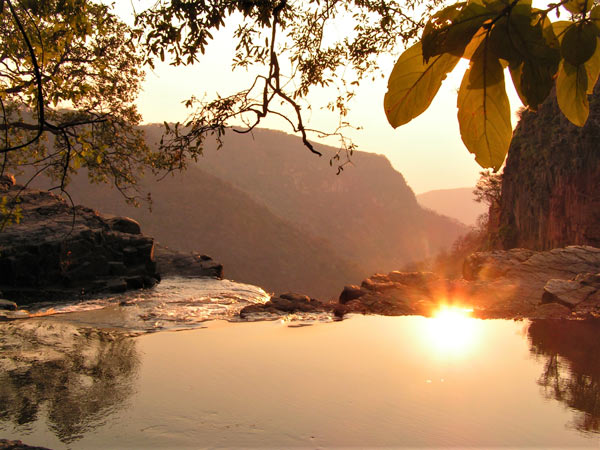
(171, 262)
(563, 282)
(55, 250)
(550, 196)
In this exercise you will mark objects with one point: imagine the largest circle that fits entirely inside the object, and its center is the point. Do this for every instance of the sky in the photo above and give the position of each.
(428, 151)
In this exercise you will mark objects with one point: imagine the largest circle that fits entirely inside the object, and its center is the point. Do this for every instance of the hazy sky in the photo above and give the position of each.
(428, 151)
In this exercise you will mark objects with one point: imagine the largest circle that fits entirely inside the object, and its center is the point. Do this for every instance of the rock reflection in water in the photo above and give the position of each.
(75, 376)
(572, 368)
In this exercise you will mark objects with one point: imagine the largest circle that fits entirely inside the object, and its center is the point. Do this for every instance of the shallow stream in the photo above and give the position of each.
(173, 367)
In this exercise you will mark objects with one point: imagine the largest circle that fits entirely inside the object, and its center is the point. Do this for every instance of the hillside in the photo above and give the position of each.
(457, 203)
(277, 216)
(368, 213)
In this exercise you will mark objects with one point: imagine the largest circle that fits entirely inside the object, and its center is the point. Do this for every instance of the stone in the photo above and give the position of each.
(567, 292)
(124, 225)
(174, 263)
(7, 305)
(349, 293)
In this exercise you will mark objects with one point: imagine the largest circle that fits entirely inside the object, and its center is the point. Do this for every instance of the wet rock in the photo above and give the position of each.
(58, 249)
(173, 263)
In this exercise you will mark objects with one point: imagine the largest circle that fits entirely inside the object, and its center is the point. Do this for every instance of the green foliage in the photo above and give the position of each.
(494, 35)
(69, 74)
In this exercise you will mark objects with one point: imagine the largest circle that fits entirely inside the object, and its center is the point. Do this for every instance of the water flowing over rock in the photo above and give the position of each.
(56, 251)
(560, 283)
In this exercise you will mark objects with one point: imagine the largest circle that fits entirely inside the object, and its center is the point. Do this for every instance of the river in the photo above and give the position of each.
(174, 367)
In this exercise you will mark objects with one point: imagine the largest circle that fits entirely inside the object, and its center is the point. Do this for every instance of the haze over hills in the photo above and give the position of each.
(278, 216)
(368, 212)
(457, 203)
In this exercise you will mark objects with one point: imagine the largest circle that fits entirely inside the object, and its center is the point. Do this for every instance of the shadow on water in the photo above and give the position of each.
(572, 367)
(76, 377)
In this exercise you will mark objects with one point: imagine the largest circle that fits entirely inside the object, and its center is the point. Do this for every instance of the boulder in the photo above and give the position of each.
(174, 263)
(59, 251)
(124, 225)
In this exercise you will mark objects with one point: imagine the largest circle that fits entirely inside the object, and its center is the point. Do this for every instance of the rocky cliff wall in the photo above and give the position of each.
(550, 194)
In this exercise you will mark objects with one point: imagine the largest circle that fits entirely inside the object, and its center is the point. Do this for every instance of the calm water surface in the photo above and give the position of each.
(97, 379)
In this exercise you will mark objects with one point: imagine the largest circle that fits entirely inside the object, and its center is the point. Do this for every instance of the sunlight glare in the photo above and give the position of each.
(452, 331)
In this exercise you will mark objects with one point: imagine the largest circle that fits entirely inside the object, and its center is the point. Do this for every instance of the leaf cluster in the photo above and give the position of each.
(494, 35)
(70, 72)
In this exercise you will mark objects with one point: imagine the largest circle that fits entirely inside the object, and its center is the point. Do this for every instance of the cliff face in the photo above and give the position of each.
(550, 192)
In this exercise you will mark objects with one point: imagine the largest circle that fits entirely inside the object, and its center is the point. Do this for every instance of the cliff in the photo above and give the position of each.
(550, 196)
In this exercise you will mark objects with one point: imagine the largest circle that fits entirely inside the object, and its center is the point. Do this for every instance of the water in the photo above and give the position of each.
(88, 378)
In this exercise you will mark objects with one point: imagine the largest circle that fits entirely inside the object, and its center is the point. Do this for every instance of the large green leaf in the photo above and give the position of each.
(571, 92)
(531, 53)
(484, 111)
(579, 43)
(414, 83)
(592, 67)
(454, 28)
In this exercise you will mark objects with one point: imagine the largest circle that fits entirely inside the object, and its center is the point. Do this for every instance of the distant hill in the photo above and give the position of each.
(368, 212)
(457, 203)
(277, 216)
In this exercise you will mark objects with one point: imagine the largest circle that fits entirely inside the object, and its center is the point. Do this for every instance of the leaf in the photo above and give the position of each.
(560, 27)
(578, 6)
(516, 72)
(413, 84)
(451, 30)
(526, 47)
(592, 67)
(484, 111)
(579, 43)
(571, 93)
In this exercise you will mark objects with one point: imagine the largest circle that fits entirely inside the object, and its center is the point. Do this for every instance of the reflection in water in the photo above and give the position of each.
(75, 376)
(452, 331)
(572, 369)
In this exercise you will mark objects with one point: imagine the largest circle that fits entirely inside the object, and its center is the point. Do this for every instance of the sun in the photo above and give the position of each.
(452, 331)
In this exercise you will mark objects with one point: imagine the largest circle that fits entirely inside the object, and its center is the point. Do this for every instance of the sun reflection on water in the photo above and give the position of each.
(451, 331)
